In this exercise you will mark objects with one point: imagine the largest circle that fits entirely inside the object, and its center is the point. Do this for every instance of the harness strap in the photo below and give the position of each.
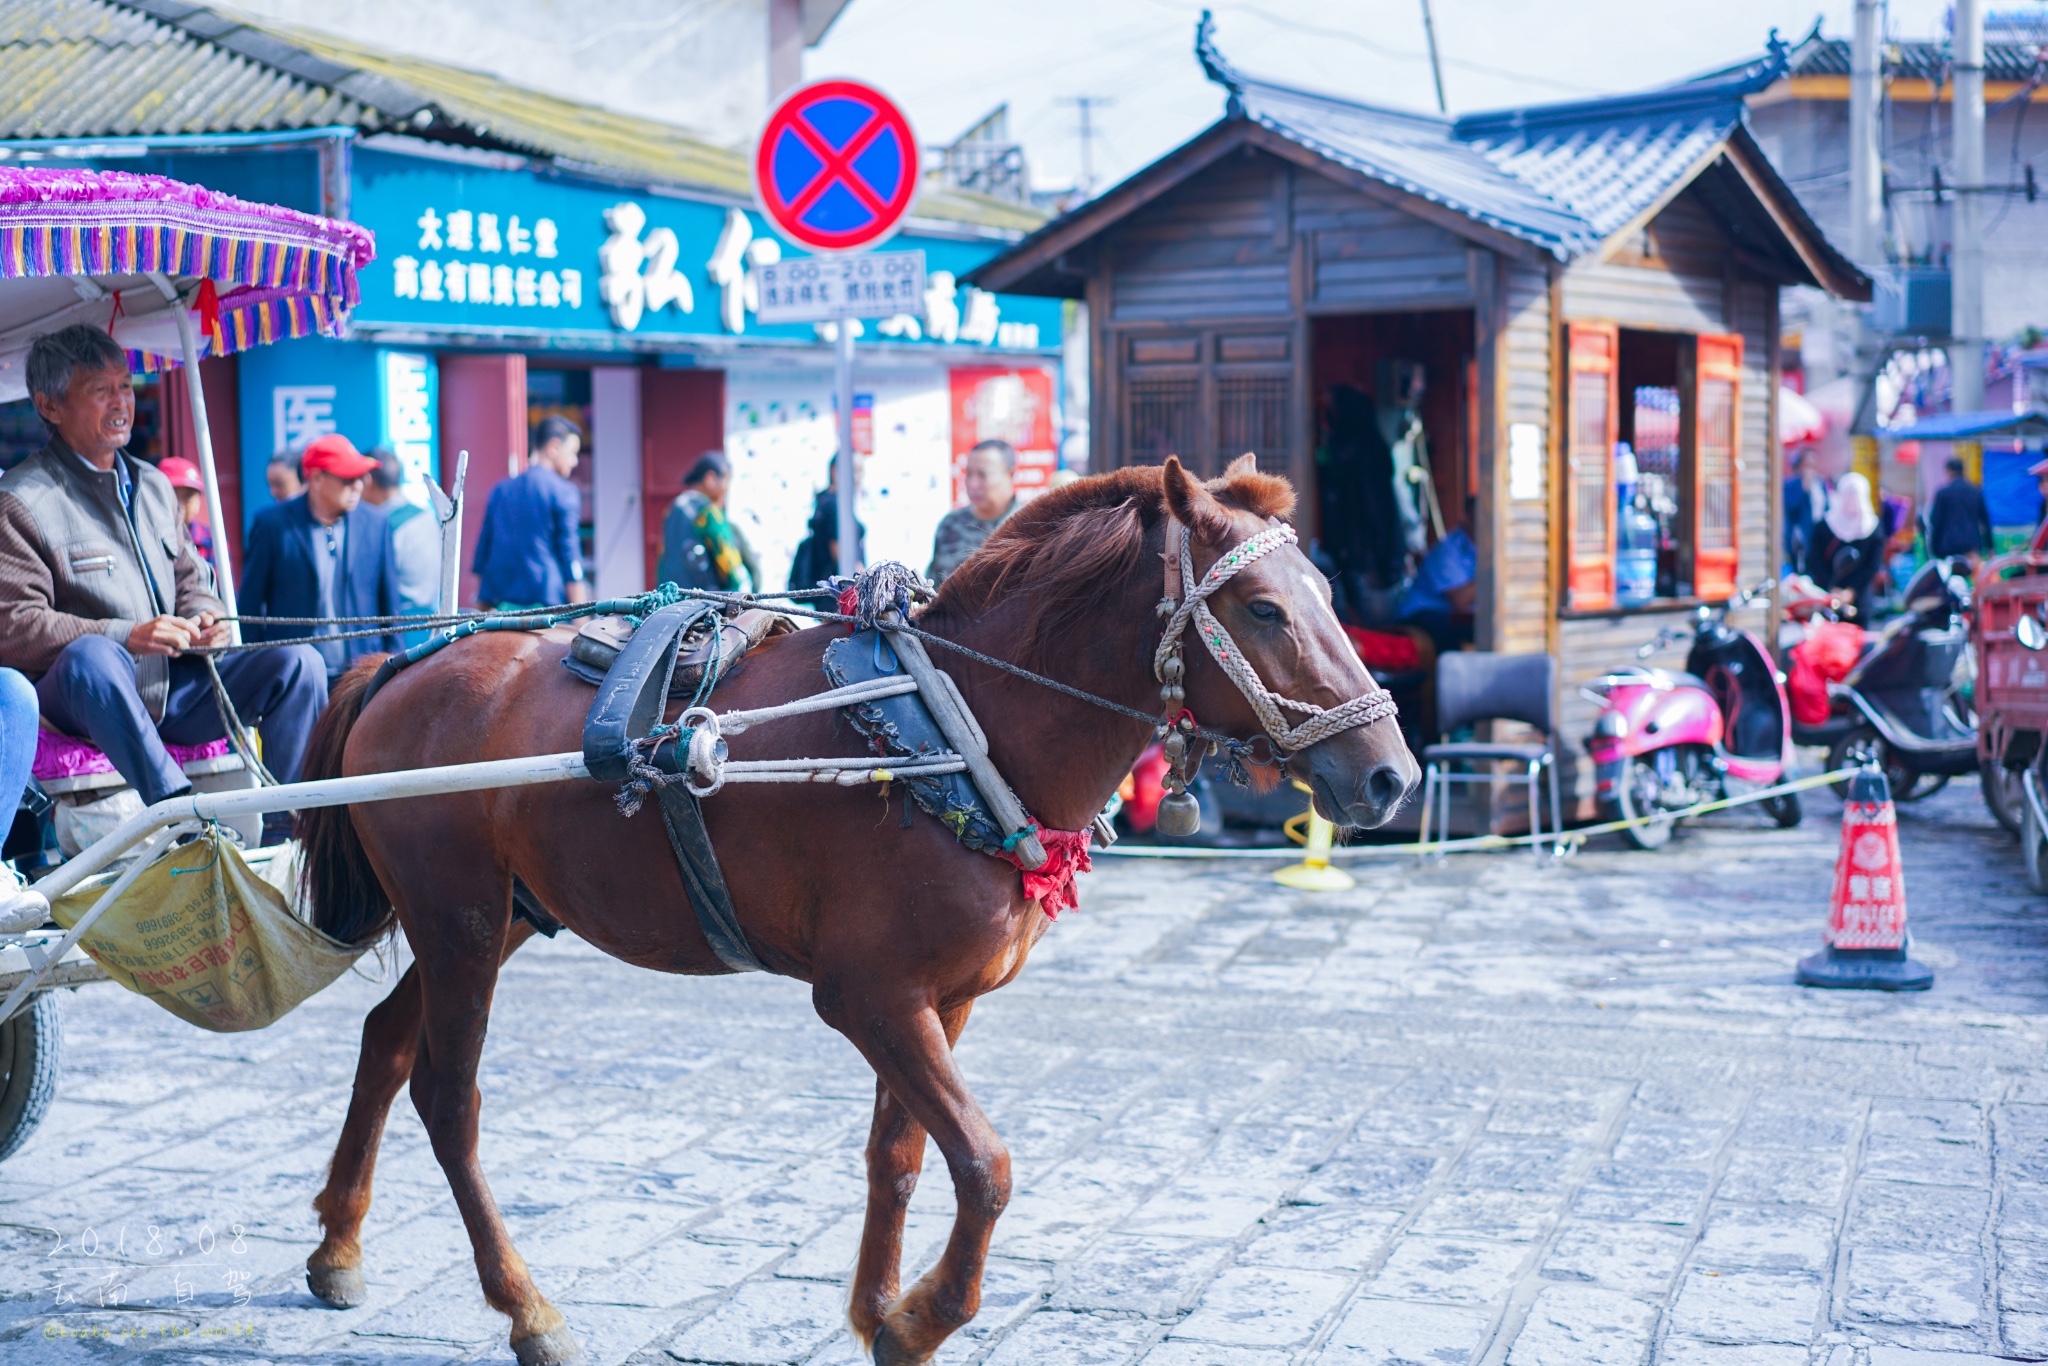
(1190, 604)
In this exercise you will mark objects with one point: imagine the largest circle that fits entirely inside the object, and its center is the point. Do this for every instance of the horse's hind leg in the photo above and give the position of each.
(895, 1158)
(457, 952)
(912, 1055)
(391, 1035)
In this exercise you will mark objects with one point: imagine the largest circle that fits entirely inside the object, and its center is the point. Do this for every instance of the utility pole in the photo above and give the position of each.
(1088, 104)
(1866, 164)
(1966, 262)
(1436, 67)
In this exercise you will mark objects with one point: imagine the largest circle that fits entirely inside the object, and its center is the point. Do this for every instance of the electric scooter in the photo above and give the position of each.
(1908, 698)
(1665, 740)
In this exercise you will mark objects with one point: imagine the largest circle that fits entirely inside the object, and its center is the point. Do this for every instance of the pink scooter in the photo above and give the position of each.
(1666, 740)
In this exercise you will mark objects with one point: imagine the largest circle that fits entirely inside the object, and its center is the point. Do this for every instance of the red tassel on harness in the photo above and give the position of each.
(1051, 884)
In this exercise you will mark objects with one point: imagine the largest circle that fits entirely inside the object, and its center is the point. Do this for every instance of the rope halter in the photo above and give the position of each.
(1188, 601)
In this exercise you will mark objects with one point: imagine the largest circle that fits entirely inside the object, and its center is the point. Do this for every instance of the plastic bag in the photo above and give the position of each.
(1828, 653)
(206, 937)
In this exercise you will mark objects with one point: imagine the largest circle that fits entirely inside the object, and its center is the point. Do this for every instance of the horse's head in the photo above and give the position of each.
(1278, 612)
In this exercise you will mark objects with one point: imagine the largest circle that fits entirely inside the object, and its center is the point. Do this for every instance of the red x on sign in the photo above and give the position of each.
(836, 167)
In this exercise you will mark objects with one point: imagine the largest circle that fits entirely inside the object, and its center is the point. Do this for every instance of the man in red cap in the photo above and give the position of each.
(103, 598)
(323, 554)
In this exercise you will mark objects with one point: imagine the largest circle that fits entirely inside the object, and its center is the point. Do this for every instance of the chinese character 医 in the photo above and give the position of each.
(487, 233)
(544, 237)
(430, 231)
(405, 278)
(518, 240)
(459, 238)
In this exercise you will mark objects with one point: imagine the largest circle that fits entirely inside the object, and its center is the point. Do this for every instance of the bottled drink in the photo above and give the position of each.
(1635, 554)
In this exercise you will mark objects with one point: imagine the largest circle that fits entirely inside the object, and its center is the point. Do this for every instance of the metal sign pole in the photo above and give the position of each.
(202, 435)
(848, 482)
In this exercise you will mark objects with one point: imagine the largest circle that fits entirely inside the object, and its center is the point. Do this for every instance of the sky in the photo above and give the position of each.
(949, 62)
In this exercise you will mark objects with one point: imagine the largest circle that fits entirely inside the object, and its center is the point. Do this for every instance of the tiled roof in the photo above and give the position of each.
(1927, 59)
(115, 68)
(1561, 176)
(89, 68)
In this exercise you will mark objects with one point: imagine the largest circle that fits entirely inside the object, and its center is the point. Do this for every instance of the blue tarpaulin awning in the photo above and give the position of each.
(1969, 426)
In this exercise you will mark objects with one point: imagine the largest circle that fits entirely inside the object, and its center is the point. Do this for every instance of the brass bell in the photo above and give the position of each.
(1180, 815)
(1175, 746)
(1172, 670)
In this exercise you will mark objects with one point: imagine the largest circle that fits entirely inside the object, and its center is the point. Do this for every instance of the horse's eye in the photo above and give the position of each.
(1264, 610)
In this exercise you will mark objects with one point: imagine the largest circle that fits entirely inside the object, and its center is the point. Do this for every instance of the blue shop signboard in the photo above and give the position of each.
(485, 250)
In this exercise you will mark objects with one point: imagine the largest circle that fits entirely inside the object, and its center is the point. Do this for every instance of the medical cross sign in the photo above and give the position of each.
(836, 167)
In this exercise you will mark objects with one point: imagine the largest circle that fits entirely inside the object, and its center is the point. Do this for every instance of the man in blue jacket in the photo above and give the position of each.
(530, 551)
(323, 554)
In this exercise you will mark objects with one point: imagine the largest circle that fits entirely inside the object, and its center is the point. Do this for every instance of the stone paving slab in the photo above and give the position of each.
(1473, 1112)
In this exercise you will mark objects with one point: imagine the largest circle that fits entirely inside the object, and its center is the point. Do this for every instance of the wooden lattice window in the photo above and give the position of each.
(1165, 419)
(1252, 414)
(1593, 349)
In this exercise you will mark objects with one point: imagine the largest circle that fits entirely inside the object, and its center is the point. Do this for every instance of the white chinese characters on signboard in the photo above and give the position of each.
(409, 417)
(877, 284)
(482, 282)
(639, 275)
(301, 414)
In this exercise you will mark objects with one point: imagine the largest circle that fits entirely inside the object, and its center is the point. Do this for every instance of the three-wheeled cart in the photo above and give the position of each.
(2009, 628)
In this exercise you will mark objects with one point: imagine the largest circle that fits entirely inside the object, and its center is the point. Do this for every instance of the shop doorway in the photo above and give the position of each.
(1396, 408)
(566, 393)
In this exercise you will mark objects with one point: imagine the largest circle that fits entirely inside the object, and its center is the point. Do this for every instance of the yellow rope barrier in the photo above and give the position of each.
(1564, 846)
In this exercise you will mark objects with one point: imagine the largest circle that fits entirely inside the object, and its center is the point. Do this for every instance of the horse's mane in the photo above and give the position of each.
(1072, 547)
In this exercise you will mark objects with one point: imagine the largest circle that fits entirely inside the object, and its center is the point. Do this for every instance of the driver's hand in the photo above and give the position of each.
(164, 635)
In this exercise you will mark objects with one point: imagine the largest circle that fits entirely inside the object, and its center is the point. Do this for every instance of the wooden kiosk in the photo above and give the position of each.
(1567, 276)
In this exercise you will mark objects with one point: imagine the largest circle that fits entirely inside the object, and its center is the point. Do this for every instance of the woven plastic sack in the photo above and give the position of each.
(209, 939)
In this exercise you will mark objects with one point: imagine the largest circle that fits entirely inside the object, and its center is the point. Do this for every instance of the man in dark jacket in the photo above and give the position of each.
(324, 554)
(102, 592)
(529, 552)
(1957, 522)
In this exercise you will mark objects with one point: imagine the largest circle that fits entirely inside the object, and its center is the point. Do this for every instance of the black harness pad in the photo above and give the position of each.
(900, 727)
(628, 706)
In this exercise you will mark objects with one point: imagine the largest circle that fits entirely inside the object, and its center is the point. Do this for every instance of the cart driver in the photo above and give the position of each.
(102, 592)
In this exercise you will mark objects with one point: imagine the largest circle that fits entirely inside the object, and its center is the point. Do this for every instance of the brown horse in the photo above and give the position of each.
(897, 928)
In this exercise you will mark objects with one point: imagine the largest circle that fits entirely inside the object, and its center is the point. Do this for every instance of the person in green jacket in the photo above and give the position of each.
(699, 547)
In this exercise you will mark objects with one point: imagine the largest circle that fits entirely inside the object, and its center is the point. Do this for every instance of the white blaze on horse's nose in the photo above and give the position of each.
(1317, 592)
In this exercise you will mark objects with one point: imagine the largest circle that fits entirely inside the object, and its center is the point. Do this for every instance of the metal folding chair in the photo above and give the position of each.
(1473, 687)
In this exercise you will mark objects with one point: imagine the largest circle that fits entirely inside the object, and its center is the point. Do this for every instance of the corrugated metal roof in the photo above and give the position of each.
(117, 68)
(87, 68)
(1561, 176)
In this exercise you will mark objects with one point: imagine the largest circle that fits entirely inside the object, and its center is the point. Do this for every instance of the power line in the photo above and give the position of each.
(1087, 104)
(1436, 67)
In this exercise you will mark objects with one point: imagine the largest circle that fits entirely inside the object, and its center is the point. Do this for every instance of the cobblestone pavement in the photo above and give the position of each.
(1482, 1111)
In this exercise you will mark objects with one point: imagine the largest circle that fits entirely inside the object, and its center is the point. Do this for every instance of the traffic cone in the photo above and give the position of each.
(1866, 933)
(1314, 873)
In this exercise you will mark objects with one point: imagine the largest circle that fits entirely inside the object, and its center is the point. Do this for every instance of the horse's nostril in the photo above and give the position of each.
(1384, 786)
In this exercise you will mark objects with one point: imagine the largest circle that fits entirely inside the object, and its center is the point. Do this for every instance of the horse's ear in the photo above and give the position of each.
(1244, 465)
(1194, 506)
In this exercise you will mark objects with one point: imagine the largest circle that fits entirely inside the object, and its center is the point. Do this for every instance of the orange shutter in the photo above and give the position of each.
(1593, 426)
(1717, 413)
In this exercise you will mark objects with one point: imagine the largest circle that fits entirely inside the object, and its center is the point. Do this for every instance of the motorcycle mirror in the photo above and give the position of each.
(2030, 633)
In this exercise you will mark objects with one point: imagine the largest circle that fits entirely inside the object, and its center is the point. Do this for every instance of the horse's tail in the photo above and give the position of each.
(348, 902)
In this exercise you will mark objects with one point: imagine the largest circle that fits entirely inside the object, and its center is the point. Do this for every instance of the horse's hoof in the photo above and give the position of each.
(555, 1347)
(339, 1287)
(890, 1352)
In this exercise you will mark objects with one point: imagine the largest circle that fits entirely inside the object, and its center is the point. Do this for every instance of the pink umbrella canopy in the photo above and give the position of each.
(80, 245)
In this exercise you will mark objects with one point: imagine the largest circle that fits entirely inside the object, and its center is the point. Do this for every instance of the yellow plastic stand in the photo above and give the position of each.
(1314, 873)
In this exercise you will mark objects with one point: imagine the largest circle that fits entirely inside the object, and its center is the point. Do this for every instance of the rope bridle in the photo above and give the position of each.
(1187, 601)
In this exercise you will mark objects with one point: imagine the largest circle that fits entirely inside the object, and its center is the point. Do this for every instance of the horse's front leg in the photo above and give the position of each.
(895, 1157)
(910, 1049)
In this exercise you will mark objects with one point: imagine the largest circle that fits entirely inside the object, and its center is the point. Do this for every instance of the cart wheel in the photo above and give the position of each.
(1784, 809)
(1635, 797)
(31, 1049)
(2001, 793)
(2034, 844)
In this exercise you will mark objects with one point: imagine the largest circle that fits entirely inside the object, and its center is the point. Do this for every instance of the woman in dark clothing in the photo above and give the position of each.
(1847, 548)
